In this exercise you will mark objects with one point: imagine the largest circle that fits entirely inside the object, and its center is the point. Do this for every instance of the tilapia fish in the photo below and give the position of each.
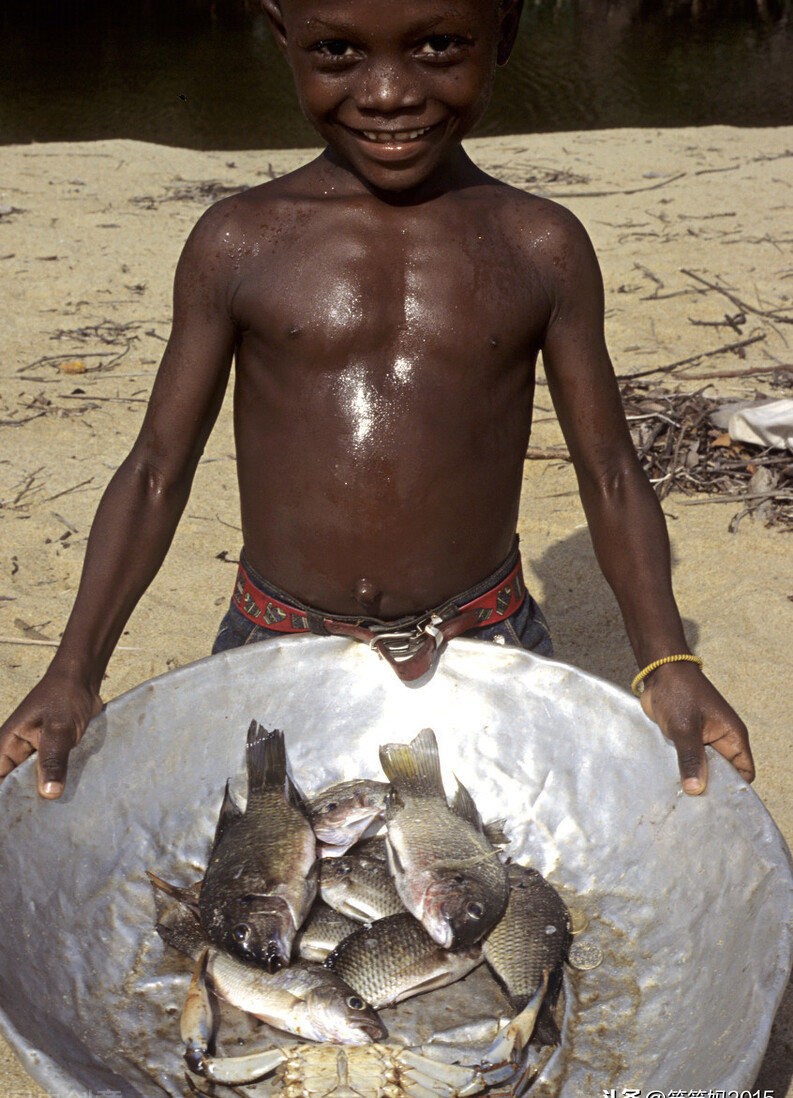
(445, 870)
(342, 813)
(306, 999)
(532, 937)
(262, 874)
(322, 931)
(395, 958)
(359, 887)
(373, 846)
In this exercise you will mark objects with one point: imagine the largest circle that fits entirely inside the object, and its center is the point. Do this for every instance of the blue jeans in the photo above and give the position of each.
(525, 628)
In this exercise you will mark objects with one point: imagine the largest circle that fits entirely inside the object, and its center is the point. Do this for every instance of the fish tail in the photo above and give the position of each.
(414, 767)
(266, 759)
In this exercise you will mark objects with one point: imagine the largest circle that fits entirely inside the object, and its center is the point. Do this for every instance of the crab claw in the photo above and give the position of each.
(426, 1076)
(195, 1025)
(196, 1029)
(505, 1061)
(237, 1071)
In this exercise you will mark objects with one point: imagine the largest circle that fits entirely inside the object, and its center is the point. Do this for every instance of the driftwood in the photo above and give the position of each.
(727, 348)
(54, 644)
(681, 450)
(770, 314)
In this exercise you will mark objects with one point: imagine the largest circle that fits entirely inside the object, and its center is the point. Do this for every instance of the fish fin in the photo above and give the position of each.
(186, 896)
(393, 804)
(547, 1031)
(266, 759)
(296, 796)
(495, 834)
(464, 807)
(414, 767)
(395, 865)
(181, 930)
(230, 811)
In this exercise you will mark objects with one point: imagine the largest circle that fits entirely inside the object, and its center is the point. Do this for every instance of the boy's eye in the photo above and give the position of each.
(443, 46)
(335, 48)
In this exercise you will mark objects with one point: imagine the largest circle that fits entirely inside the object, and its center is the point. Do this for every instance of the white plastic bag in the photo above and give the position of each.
(766, 424)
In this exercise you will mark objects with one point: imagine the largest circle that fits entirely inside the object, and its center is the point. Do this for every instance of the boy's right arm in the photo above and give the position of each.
(139, 511)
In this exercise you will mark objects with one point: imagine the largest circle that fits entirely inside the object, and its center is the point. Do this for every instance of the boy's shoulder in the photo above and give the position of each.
(283, 209)
(537, 228)
(254, 215)
(529, 211)
(257, 207)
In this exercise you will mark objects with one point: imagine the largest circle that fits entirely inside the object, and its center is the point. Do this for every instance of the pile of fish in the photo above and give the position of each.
(315, 913)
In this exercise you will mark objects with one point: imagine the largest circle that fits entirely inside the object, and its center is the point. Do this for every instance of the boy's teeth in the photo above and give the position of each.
(394, 135)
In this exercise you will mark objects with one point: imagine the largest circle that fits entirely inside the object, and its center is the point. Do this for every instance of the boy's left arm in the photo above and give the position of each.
(625, 519)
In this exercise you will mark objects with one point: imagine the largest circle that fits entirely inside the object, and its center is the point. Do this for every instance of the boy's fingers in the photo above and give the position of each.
(52, 724)
(688, 743)
(14, 749)
(50, 789)
(54, 748)
(720, 727)
(691, 761)
(733, 744)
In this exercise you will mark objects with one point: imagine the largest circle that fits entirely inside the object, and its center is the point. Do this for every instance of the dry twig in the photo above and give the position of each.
(727, 348)
(681, 450)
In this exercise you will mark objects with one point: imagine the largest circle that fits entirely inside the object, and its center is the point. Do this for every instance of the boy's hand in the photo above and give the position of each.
(691, 712)
(51, 720)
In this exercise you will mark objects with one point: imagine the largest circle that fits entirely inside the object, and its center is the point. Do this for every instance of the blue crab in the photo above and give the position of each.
(378, 1070)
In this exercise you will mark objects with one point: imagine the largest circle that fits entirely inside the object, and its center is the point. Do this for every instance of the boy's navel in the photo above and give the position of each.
(368, 595)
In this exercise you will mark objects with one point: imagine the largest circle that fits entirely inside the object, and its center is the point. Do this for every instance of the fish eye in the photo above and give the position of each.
(241, 932)
(331, 806)
(355, 1002)
(475, 910)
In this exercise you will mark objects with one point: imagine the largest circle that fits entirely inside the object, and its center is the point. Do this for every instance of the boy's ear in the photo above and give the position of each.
(272, 9)
(510, 20)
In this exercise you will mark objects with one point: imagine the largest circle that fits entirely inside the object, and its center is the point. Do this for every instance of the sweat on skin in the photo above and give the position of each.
(383, 307)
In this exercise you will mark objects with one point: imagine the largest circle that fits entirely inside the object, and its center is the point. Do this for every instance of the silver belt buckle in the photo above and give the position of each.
(403, 644)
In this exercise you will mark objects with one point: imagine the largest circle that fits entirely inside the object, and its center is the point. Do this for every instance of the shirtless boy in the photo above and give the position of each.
(385, 306)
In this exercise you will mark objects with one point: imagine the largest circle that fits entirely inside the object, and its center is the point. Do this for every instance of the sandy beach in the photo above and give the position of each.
(89, 237)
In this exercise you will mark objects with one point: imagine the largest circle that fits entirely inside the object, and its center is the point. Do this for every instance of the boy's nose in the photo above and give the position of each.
(387, 87)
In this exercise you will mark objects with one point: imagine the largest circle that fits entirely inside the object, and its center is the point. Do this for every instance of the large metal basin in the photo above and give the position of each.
(690, 900)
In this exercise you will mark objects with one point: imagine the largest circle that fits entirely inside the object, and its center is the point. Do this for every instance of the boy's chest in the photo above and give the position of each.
(388, 291)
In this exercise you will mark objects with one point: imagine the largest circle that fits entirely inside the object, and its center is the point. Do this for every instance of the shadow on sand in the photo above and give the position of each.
(585, 620)
(587, 630)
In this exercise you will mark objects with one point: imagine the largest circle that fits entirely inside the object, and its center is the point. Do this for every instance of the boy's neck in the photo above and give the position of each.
(455, 174)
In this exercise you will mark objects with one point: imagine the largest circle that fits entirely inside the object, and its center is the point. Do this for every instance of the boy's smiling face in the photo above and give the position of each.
(394, 85)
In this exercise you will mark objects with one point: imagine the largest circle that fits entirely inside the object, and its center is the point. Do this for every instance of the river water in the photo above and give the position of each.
(206, 75)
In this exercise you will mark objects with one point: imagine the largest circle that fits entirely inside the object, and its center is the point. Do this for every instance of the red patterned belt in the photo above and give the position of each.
(409, 644)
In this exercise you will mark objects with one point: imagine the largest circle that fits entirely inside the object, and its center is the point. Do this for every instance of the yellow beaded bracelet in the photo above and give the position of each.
(683, 658)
